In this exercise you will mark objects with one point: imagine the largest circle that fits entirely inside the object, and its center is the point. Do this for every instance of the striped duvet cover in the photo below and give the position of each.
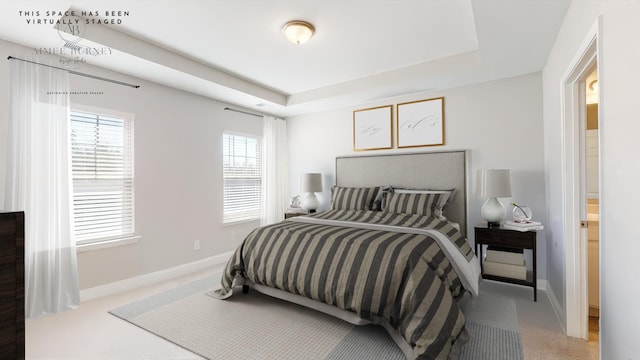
(387, 268)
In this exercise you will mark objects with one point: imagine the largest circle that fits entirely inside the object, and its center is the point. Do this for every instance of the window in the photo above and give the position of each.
(102, 171)
(242, 161)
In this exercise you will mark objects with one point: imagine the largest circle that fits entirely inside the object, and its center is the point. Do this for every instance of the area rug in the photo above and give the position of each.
(256, 326)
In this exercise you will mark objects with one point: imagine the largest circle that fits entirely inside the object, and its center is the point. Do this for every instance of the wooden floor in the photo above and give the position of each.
(594, 336)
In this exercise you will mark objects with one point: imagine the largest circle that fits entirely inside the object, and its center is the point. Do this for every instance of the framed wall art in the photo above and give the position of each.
(420, 123)
(372, 128)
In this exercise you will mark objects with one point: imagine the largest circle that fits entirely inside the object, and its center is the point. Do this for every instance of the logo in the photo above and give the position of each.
(71, 29)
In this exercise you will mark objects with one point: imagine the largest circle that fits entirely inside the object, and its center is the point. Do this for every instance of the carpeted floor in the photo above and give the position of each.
(493, 322)
(238, 326)
(546, 344)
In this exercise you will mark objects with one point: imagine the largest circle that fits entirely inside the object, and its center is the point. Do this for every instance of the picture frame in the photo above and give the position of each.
(420, 123)
(372, 128)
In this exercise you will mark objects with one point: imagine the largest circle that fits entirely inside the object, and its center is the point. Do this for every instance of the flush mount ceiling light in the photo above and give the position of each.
(298, 31)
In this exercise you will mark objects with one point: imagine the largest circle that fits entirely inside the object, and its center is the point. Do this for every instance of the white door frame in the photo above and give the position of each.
(573, 202)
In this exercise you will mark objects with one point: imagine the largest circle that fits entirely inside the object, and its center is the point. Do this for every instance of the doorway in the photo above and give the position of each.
(590, 149)
(574, 181)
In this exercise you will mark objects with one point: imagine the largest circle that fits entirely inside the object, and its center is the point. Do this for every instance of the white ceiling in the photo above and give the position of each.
(234, 51)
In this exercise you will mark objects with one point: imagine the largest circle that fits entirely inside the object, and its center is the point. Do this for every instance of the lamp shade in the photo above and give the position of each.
(311, 182)
(493, 183)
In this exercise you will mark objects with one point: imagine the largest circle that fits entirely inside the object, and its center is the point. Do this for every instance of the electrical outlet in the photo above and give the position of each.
(196, 245)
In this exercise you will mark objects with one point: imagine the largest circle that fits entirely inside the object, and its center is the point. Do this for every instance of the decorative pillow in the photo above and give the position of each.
(421, 202)
(381, 197)
(343, 198)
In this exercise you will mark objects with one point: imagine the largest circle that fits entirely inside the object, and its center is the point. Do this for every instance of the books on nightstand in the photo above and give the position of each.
(505, 255)
(505, 262)
(522, 226)
(296, 210)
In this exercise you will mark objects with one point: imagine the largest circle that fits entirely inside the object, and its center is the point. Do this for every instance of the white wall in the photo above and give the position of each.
(178, 172)
(619, 194)
(499, 121)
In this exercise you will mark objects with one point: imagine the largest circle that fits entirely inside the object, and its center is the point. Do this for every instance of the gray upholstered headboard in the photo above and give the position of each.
(432, 170)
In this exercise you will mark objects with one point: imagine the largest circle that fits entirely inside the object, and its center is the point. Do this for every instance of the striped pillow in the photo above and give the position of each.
(352, 198)
(447, 195)
(427, 204)
(381, 197)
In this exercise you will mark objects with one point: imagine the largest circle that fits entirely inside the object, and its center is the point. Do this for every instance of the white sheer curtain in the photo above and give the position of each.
(275, 170)
(39, 183)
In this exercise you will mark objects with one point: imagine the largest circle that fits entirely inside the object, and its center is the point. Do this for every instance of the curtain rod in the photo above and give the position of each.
(243, 112)
(78, 73)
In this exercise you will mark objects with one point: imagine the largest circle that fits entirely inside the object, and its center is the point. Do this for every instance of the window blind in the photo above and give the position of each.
(102, 171)
(242, 161)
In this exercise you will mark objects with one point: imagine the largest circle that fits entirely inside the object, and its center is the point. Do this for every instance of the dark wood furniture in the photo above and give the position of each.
(12, 285)
(525, 240)
(293, 214)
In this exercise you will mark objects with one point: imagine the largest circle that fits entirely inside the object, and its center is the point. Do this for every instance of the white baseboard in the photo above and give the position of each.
(214, 263)
(542, 284)
(557, 309)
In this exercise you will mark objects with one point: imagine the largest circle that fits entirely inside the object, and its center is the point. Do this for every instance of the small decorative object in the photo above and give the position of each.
(492, 184)
(420, 123)
(372, 128)
(521, 213)
(295, 201)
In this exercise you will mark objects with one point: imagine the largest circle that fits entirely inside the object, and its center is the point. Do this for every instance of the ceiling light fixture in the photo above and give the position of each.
(298, 31)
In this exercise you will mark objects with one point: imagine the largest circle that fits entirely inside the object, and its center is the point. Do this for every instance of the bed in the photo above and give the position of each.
(392, 250)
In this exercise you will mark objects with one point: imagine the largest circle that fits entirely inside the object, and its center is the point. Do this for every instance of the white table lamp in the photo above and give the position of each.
(310, 184)
(492, 184)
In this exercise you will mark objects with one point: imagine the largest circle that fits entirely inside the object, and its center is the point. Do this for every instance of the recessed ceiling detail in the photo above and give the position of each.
(362, 54)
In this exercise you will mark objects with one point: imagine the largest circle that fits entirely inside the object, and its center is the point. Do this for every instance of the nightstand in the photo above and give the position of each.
(520, 240)
(294, 214)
